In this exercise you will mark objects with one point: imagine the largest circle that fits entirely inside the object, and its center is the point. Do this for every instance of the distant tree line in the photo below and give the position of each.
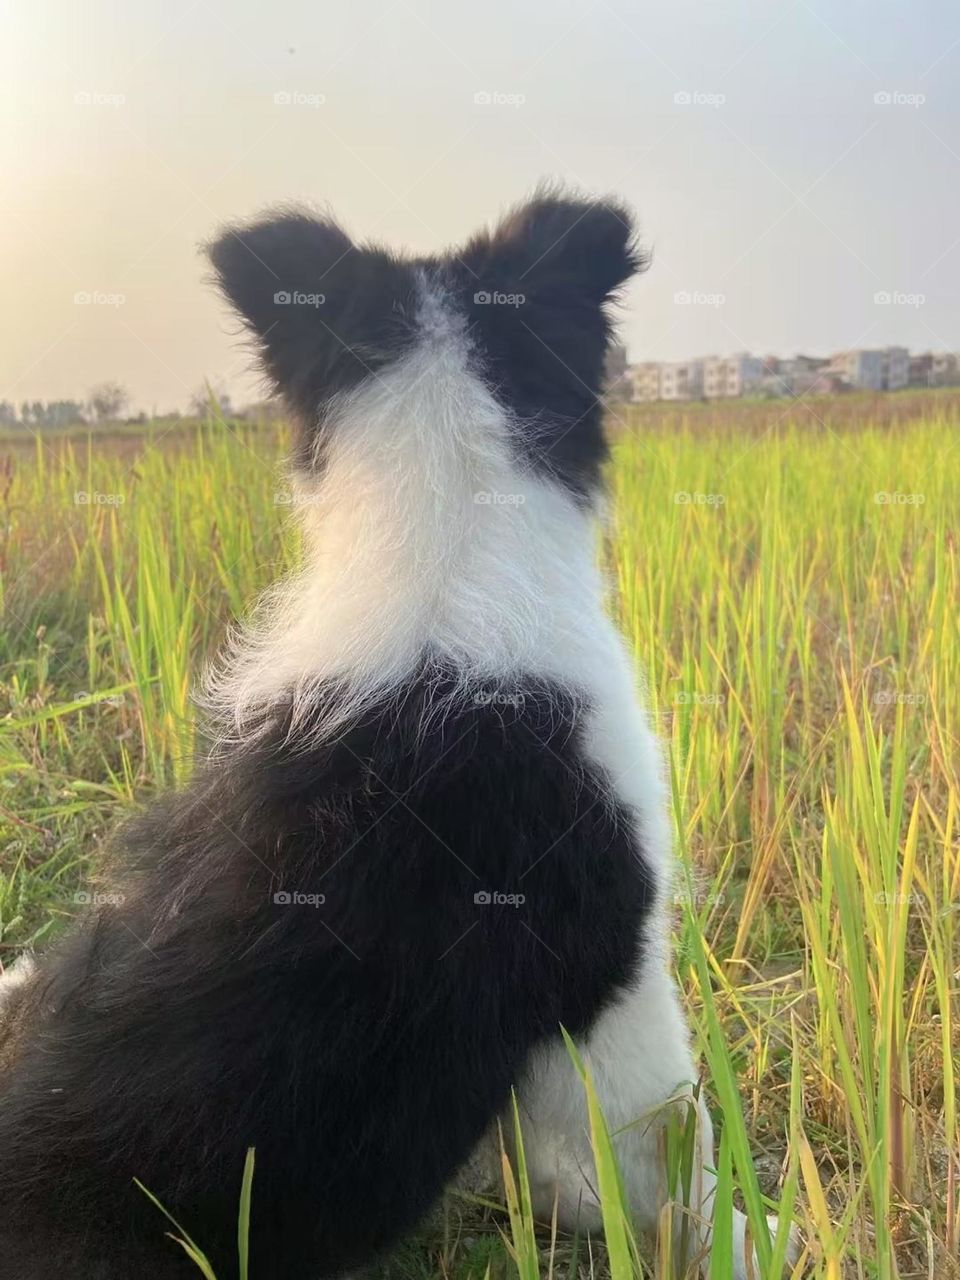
(105, 403)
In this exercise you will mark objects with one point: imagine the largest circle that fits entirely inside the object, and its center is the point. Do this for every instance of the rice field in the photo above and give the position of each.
(789, 579)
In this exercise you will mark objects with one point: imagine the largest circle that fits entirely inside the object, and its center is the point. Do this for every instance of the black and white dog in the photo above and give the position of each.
(432, 832)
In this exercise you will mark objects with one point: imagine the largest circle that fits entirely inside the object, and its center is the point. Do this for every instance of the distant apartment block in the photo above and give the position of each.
(616, 382)
(934, 369)
(880, 369)
(731, 375)
(921, 370)
(805, 375)
(719, 377)
(945, 368)
(863, 369)
(896, 370)
(681, 380)
(645, 380)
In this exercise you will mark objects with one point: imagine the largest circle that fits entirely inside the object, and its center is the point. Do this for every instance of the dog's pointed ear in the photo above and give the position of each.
(259, 265)
(325, 313)
(561, 247)
(538, 290)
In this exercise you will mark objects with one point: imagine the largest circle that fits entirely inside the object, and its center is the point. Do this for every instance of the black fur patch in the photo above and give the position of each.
(311, 958)
(326, 314)
(534, 292)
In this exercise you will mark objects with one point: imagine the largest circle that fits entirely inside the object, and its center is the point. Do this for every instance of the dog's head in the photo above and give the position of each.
(528, 304)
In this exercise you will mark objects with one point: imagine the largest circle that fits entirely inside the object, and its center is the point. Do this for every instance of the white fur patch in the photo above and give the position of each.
(16, 977)
(423, 533)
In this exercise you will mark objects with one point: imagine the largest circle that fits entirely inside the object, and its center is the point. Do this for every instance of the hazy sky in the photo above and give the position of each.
(782, 196)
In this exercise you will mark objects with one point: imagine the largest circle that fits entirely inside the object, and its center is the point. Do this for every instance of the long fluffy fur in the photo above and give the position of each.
(421, 532)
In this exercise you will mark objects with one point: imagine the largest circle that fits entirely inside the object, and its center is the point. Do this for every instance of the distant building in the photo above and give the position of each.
(723, 377)
(896, 368)
(934, 369)
(808, 364)
(881, 369)
(616, 360)
(731, 375)
(920, 373)
(681, 380)
(945, 368)
(860, 368)
(797, 376)
(828, 383)
(645, 380)
(808, 374)
(615, 380)
(714, 377)
(772, 381)
(771, 384)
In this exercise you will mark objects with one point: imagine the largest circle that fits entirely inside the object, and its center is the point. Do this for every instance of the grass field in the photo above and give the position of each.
(789, 579)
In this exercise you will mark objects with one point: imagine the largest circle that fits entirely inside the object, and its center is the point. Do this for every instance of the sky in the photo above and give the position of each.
(795, 166)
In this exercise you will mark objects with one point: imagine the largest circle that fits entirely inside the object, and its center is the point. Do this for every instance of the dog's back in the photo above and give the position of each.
(341, 956)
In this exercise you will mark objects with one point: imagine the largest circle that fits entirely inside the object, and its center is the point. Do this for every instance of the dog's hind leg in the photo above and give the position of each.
(639, 1056)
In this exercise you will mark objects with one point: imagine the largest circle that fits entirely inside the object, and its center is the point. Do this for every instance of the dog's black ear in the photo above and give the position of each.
(259, 266)
(563, 247)
(325, 312)
(537, 291)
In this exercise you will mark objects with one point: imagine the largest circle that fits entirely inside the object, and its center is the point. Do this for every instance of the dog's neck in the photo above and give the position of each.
(424, 536)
